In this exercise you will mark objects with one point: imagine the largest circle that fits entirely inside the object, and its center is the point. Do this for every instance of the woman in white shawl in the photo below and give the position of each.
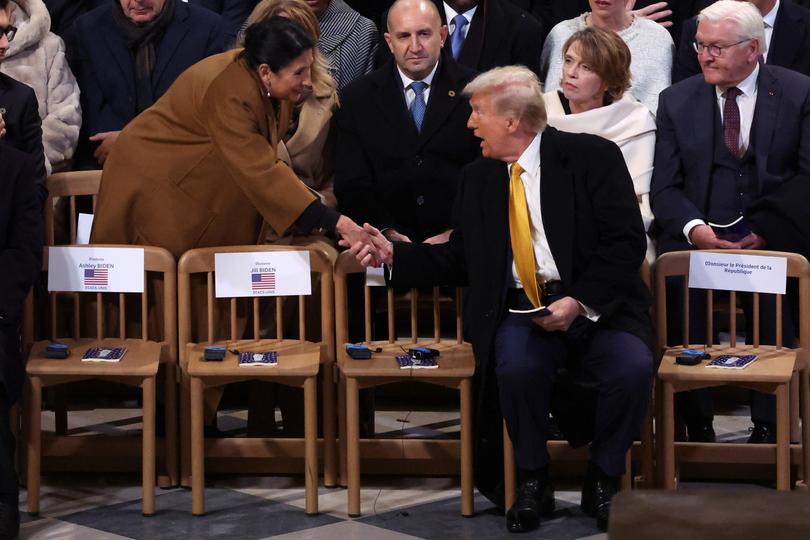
(593, 98)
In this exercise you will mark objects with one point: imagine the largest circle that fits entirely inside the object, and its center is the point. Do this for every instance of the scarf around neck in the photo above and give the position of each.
(142, 41)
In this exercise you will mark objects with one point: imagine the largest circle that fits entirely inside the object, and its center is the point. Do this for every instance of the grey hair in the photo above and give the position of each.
(744, 15)
(516, 91)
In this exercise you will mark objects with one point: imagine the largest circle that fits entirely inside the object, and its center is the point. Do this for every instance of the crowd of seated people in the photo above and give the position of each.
(305, 117)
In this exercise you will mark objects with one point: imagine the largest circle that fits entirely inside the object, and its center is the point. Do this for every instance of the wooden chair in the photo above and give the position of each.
(562, 450)
(298, 366)
(456, 368)
(65, 188)
(771, 373)
(138, 368)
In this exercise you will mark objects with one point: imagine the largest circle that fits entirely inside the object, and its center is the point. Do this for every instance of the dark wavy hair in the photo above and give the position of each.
(276, 41)
(3, 4)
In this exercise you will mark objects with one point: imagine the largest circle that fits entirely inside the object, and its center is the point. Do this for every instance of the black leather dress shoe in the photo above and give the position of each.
(597, 492)
(534, 498)
(700, 431)
(762, 434)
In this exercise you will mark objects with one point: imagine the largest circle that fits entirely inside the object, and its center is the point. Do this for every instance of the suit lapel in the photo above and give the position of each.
(118, 49)
(390, 101)
(557, 204)
(470, 54)
(495, 210)
(787, 32)
(171, 40)
(445, 95)
(769, 94)
(704, 105)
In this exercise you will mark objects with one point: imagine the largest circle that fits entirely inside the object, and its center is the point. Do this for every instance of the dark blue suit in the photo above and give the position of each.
(686, 174)
(233, 13)
(104, 66)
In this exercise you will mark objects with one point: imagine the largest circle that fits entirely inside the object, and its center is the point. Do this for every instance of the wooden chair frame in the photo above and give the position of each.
(138, 368)
(772, 373)
(292, 371)
(456, 368)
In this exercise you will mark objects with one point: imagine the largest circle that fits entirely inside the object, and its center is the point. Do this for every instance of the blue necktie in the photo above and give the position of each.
(457, 39)
(418, 106)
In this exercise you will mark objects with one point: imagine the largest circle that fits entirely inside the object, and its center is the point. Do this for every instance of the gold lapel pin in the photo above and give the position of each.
(451, 93)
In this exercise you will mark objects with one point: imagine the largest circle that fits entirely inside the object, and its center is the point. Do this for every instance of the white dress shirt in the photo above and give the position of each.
(410, 95)
(451, 13)
(544, 259)
(746, 102)
(769, 19)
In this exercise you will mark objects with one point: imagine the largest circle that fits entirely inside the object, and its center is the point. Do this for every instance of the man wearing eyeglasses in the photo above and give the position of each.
(20, 125)
(727, 138)
(787, 36)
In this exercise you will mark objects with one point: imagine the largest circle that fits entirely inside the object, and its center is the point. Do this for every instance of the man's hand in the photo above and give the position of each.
(2, 126)
(354, 236)
(703, 237)
(393, 236)
(440, 238)
(563, 313)
(107, 139)
(654, 12)
(373, 253)
(752, 241)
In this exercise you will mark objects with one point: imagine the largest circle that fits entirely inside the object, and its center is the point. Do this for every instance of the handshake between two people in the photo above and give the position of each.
(366, 243)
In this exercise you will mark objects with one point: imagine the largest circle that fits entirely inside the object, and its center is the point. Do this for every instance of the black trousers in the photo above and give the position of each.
(528, 358)
(9, 488)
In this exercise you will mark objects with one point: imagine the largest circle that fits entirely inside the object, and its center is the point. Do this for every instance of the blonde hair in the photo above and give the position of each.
(300, 13)
(516, 91)
(744, 15)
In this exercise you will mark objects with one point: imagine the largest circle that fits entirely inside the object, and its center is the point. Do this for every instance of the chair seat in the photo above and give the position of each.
(141, 360)
(295, 359)
(455, 361)
(773, 366)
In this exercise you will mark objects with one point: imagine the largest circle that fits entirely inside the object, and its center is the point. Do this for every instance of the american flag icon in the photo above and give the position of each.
(96, 276)
(263, 281)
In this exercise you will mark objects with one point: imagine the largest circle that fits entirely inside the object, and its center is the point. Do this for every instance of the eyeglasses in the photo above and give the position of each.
(9, 31)
(714, 50)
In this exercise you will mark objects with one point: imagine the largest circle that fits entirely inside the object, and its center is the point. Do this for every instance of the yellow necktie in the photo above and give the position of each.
(521, 234)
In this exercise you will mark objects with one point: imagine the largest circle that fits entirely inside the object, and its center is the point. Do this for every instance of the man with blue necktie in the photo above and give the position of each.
(401, 131)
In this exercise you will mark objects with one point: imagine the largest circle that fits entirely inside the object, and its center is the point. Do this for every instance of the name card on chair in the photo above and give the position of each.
(95, 269)
(735, 272)
(271, 273)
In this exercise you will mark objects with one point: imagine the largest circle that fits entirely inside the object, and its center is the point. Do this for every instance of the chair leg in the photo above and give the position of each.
(311, 444)
(329, 419)
(467, 489)
(353, 445)
(34, 443)
(148, 388)
(782, 438)
(668, 436)
(344, 475)
(197, 448)
(185, 429)
(508, 469)
(805, 399)
(170, 413)
(627, 477)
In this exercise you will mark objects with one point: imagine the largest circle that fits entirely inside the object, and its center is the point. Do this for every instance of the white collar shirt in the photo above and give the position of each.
(746, 102)
(410, 94)
(451, 13)
(770, 20)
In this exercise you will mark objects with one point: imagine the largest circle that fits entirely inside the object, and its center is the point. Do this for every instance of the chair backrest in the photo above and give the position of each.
(115, 313)
(228, 314)
(347, 264)
(69, 185)
(676, 264)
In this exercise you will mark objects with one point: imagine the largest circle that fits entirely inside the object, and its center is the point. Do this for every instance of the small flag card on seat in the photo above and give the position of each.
(730, 361)
(104, 354)
(269, 359)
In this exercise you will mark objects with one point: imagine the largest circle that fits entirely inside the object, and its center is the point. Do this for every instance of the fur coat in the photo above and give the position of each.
(36, 57)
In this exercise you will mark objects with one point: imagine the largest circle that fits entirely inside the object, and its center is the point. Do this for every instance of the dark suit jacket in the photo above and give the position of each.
(105, 71)
(20, 257)
(790, 43)
(685, 145)
(18, 105)
(64, 12)
(233, 13)
(387, 173)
